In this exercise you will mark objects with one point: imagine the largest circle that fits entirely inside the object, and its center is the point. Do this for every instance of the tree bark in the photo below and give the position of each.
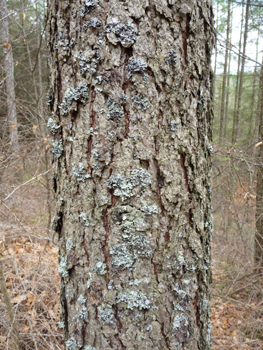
(259, 187)
(131, 96)
(10, 78)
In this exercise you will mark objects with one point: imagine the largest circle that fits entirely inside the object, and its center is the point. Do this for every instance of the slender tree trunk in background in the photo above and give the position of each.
(238, 74)
(259, 188)
(223, 96)
(29, 58)
(42, 124)
(214, 88)
(9, 76)
(228, 77)
(256, 135)
(130, 91)
(253, 122)
(240, 90)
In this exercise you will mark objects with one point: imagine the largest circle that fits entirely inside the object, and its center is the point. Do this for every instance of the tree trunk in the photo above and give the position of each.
(240, 89)
(10, 78)
(238, 75)
(130, 92)
(223, 96)
(216, 50)
(226, 117)
(253, 122)
(259, 187)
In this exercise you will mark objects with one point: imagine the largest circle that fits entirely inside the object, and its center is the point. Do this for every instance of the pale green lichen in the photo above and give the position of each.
(174, 125)
(121, 256)
(81, 299)
(72, 344)
(69, 244)
(62, 268)
(61, 325)
(107, 314)
(125, 33)
(84, 219)
(179, 321)
(54, 222)
(149, 328)
(80, 173)
(52, 126)
(141, 101)
(136, 65)
(95, 153)
(89, 6)
(94, 22)
(150, 209)
(57, 148)
(80, 93)
(89, 347)
(87, 64)
(83, 312)
(123, 185)
(100, 268)
(179, 291)
(115, 110)
(134, 299)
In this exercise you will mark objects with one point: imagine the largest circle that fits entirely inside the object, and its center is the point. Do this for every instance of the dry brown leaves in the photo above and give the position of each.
(32, 280)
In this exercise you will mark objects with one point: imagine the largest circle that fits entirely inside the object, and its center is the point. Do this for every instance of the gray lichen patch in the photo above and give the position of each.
(69, 244)
(126, 254)
(52, 126)
(86, 64)
(61, 325)
(84, 219)
(136, 65)
(54, 222)
(172, 57)
(122, 257)
(57, 148)
(80, 93)
(134, 299)
(149, 209)
(80, 173)
(179, 321)
(94, 22)
(124, 33)
(89, 6)
(62, 268)
(141, 101)
(81, 299)
(115, 110)
(89, 347)
(100, 268)
(72, 344)
(174, 125)
(123, 185)
(106, 314)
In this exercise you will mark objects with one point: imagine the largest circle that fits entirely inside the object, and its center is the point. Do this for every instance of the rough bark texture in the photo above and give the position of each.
(9, 73)
(259, 186)
(131, 100)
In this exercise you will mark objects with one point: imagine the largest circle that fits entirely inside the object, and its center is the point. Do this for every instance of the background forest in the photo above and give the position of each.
(28, 247)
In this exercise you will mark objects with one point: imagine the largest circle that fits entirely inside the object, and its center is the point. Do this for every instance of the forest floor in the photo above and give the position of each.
(30, 264)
